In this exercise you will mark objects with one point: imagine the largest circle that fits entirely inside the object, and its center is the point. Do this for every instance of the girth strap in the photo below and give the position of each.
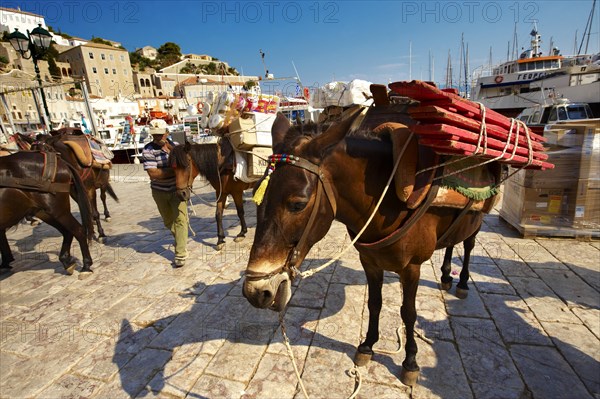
(455, 222)
(403, 229)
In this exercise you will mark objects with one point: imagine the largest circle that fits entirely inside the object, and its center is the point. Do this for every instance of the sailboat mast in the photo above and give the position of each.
(449, 71)
(460, 59)
(587, 31)
(515, 49)
(467, 72)
(409, 60)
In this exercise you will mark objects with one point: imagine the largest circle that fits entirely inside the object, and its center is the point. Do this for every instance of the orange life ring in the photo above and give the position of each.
(199, 107)
(306, 93)
(499, 79)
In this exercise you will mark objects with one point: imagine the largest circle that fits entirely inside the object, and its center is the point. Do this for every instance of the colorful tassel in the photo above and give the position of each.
(259, 194)
(274, 159)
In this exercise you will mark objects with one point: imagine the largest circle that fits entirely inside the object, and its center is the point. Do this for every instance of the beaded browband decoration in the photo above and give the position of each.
(274, 159)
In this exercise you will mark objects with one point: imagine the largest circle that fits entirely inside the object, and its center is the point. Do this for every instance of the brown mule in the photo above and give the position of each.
(214, 162)
(335, 176)
(38, 184)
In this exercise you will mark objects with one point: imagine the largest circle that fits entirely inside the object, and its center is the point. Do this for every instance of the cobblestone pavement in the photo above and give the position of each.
(139, 328)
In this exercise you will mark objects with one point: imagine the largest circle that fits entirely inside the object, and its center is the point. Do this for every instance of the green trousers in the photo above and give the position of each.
(175, 217)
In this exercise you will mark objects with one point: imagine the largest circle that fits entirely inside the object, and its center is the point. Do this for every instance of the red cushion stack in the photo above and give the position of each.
(451, 124)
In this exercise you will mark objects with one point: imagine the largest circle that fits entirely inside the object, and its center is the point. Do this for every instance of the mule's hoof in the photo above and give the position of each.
(445, 286)
(71, 268)
(239, 238)
(5, 269)
(84, 274)
(362, 357)
(102, 240)
(108, 218)
(409, 378)
(462, 293)
(220, 246)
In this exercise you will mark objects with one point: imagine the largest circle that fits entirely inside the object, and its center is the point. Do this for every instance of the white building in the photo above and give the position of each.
(11, 19)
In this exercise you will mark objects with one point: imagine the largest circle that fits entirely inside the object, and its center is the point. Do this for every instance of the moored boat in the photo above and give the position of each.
(533, 78)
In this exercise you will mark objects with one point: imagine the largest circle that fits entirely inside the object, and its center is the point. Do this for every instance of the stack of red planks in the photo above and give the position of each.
(451, 124)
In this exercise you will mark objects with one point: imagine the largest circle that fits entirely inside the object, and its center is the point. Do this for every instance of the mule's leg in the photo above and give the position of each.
(446, 268)
(238, 198)
(375, 283)
(96, 214)
(410, 282)
(69, 262)
(103, 199)
(219, 218)
(5, 251)
(70, 227)
(462, 289)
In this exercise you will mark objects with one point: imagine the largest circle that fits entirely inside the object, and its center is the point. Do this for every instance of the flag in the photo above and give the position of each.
(297, 91)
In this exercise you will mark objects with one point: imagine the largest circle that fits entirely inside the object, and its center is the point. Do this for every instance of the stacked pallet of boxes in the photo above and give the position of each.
(246, 120)
(564, 201)
(250, 136)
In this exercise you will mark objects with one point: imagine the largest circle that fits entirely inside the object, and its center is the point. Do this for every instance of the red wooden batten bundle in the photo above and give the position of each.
(452, 125)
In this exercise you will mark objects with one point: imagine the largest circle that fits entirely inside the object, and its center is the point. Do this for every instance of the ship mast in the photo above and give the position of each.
(536, 40)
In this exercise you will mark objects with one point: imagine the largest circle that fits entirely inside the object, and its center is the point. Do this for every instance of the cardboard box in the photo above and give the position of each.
(536, 206)
(258, 161)
(250, 130)
(563, 200)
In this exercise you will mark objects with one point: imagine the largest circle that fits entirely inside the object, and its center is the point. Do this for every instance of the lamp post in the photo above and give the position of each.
(33, 46)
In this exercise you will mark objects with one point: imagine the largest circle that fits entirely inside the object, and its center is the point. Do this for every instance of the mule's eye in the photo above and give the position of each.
(296, 206)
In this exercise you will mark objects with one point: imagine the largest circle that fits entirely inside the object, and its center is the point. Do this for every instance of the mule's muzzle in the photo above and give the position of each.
(184, 195)
(273, 293)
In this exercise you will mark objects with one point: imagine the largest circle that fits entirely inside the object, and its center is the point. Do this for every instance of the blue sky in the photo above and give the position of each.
(328, 40)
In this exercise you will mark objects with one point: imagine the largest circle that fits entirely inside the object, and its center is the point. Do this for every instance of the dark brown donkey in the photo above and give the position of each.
(94, 178)
(38, 184)
(335, 176)
(214, 162)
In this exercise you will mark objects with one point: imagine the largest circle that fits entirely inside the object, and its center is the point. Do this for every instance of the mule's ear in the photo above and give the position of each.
(279, 129)
(187, 147)
(336, 132)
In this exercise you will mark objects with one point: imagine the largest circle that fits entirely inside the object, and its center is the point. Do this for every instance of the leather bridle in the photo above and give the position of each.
(188, 168)
(323, 185)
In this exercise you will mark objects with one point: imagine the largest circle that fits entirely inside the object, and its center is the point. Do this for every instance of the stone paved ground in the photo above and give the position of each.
(139, 328)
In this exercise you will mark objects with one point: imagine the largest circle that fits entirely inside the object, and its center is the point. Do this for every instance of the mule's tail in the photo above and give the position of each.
(85, 207)
(111, 192)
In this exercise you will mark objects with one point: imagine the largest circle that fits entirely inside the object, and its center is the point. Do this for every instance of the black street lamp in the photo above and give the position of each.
(33, 46)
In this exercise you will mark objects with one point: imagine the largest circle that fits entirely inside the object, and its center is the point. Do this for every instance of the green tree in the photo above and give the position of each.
(168, 54)
(211, 68)
(100, 40)
(141, 61)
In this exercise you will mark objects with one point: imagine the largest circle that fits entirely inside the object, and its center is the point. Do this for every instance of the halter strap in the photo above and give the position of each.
(323, 184)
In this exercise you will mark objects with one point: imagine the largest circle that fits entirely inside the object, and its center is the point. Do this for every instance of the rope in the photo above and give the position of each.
(354, 372)
(514, 123)
(286, 341)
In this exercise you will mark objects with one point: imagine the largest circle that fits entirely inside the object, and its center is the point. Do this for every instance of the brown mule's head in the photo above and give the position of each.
(296, 211)
(181, 162)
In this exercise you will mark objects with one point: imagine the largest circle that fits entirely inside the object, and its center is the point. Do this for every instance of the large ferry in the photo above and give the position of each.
(534, 78)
